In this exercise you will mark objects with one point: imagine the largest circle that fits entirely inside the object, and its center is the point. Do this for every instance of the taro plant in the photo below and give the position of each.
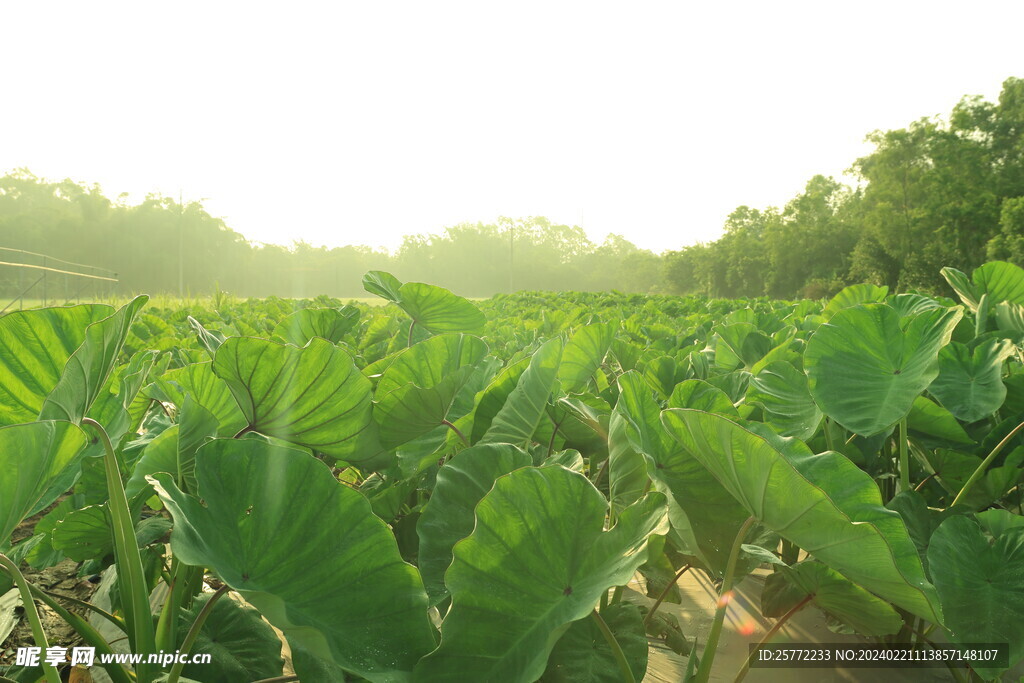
(511, 490)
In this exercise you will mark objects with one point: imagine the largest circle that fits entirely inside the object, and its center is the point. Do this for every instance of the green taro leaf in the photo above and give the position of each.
(173, 450)
(739, 345)
(583, 355)
(979, 582)
(970, 383)
(538, 560)
(84, 534)
(327, 323)
(34, 348)
(960, 283)
(928, 417)
(493, 397)
(996, 521)
(952, 470)
(781, 391)
(627, 468)
(524, 408)
(1002, 281)
(1010, 317)
(823, 503)
(118, 407)
(241, 645)
(208, 339)
(583, 655)
(418, 389)
(921, 520)
(434, 308)
(448, 516)
(313, 396)
(306, 551)
(911, 304)
(199, 381)
(699, 395)
(833, 594)
(707, 516)
(438, 310)
(87, 369)
(866, 365)
(854, 295)
(33, 457)
(159, 455)
(383, 284)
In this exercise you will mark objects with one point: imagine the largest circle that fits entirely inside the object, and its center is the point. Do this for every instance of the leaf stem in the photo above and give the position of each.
(193, 633)
(412, 324)
(242, 432)
(554, 433)
(30, 611)
(828, 435)
(457, 432)
(768, 636)
(704, 672)
(620, 657)
(88, 633)
(134, 593)
(42, 595)
(904, 458)
(664, 594)
(978, 473)
(600, 471)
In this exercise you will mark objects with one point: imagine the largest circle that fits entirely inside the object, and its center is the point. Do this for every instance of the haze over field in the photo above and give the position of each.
(361, 123)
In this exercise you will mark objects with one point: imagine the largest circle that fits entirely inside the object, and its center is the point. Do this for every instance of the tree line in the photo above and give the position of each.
(161, 246)
(942, 191)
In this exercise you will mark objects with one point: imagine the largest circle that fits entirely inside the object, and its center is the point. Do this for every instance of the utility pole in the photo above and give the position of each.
(181, 247)
(511, 254)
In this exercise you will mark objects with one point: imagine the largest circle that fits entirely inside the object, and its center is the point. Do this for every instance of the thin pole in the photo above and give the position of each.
(511, 254)
(181, 246)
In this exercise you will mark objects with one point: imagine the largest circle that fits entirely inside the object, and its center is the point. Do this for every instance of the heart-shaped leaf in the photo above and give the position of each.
(970, 382)
(979, 583)
(34, 348)
(538, 559)
(708, 516)
(583, 355)
(418, 389)
(33, 457)
(854, 295)
(313, 396)
(448, 516)
(583, 655)
(866, 365)
(928, 417)
(383, 284)
(306, 551)
(832, 593)
(241, 645)
(434, 308)
(327, 323)
(1002, 281)
(87, 369)
(518, 418)
(823, 503)
(199, 381)
(781, 391)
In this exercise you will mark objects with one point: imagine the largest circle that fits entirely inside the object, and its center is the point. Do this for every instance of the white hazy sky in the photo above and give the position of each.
(359, 122)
